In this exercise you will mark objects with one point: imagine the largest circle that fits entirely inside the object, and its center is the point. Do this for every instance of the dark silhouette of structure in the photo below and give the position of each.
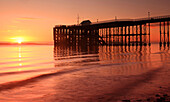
(114, 32)
(85, 23)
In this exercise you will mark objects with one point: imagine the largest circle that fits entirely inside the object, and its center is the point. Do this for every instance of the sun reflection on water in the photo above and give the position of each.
(20, 58)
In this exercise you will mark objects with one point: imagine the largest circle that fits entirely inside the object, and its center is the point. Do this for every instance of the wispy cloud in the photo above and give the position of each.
(28, 18)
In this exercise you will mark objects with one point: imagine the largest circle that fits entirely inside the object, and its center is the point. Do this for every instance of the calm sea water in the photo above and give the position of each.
(44, 73)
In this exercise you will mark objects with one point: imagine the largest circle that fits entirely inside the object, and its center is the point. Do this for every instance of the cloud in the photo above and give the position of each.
(28, 18)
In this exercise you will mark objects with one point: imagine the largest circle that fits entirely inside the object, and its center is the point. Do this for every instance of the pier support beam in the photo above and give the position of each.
(164, 33)
(141, 33)
(168, 32)
(144, 35)
(118, 35)
(54, 34)
(106, 35)
(109, 36)
(149, 34)
(133, 34)
(129, 35)
(160, 34)
(121, 36)
(136, 35)
(125, 36)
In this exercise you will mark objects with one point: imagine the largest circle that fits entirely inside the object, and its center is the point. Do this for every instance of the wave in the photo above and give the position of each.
(55, 71)
(25, 59)
(159, 52)
(77, 56)
(26, 71)
(15, 84)
(26, 66)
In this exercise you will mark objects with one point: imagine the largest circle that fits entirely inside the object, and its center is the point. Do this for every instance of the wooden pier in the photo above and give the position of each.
(128, 32)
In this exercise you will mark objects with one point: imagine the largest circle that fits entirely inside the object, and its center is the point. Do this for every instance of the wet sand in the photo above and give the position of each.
(102, 85)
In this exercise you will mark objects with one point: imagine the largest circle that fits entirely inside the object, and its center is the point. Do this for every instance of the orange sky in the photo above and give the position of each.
(33, 20)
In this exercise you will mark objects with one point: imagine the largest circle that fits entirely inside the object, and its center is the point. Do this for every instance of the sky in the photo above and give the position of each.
(33, 20)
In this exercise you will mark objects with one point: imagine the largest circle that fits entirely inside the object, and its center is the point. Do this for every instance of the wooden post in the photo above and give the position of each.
(125, 36)
(160, 33)
(78, 37)
(122, 36)
(54, 35)
(114, 40)
(129, 35)
(168, 32)
(164, 35)
(59, 36)
(90, 37)
(102, 33)
(74, 37)
(149, 35)
(106, 35)
(133, 35)
(69, 36)
(145, 35)
(137, 35)
(141, 33)
(62, 36)
(118, 35)
(109, 36)
(97, 35)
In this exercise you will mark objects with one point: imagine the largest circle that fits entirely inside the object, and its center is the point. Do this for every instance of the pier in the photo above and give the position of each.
(118, 32)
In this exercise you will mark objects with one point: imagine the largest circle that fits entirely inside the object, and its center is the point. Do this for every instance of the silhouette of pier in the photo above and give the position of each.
(118, 32)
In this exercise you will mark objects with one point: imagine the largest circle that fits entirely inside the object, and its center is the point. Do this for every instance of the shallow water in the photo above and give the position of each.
(47, 73)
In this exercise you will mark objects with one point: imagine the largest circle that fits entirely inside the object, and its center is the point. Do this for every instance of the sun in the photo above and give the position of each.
(18, 40)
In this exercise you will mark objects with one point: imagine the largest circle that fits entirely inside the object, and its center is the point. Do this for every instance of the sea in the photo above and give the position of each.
(48, 73)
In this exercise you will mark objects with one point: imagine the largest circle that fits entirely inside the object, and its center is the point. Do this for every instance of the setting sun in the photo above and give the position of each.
(18, 40)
